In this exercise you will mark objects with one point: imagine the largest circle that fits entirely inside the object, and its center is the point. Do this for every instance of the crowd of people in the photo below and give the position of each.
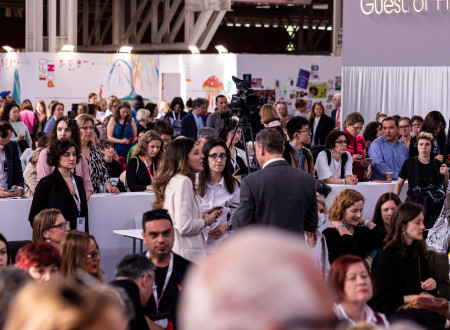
(327, 265)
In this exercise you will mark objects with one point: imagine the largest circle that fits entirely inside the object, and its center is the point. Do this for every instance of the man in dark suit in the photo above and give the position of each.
(278, 195)
(195, 120)
(336, 113)
(214, 120)
(10, 167)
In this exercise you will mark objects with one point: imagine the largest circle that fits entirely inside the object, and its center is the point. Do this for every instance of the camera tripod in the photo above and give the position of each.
(244, 125)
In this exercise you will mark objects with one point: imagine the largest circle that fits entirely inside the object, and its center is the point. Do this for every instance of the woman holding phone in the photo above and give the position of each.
(20, 133)
(122, 130)
(353, 125)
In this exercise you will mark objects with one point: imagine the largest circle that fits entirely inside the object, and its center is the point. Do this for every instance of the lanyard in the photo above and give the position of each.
(76, 194)
(166, 281)
(233, 160)
(148, 168)
(174, 116)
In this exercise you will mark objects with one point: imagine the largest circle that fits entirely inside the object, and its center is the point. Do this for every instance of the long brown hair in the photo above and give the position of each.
(142, 145)
(395, 239)
(174, 161)
(42, 222)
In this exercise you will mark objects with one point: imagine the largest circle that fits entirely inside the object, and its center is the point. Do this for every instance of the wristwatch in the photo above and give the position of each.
(230, 225)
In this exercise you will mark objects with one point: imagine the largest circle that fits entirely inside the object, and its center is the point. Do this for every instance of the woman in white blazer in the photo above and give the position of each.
(174, 188)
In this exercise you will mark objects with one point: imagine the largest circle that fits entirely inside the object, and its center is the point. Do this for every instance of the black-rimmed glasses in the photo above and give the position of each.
(341, 142)
(61, 226)
(93, 254)
(221, 156)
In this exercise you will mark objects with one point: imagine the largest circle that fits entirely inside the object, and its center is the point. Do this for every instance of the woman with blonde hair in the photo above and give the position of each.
(163, 108)
(349, 233)
(270, 117)
(98, 171)
(142, 167)
(50, 226)
(174, 188)
(79, 250)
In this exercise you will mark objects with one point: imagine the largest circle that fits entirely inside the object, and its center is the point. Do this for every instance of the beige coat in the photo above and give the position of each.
(184, 207)
(30, 179)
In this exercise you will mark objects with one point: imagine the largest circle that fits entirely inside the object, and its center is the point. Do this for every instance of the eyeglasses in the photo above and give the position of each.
(221, 156)
(404, 127)
(358, 128)
(61, 226)
(308, 130)
(94, 254)
(341, 142)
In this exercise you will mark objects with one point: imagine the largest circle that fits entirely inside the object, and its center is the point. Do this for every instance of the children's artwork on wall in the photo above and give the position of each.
(317, 90)
(212, 86)
(303, 79)
(338, 83)
(314, 71)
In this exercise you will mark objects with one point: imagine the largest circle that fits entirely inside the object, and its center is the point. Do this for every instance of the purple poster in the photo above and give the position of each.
(303, 79)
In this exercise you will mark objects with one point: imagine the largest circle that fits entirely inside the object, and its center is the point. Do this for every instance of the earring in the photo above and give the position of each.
(403, 232)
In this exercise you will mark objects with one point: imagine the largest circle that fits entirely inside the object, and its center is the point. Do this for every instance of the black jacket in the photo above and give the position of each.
(324, 127)
(52, 192)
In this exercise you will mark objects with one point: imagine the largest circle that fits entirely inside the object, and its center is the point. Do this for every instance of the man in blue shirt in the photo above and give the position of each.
(387, 153)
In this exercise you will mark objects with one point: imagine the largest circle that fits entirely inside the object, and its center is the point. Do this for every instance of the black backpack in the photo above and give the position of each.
(344, 158)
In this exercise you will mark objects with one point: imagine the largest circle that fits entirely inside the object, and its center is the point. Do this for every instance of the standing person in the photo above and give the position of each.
(158, 235)
(174, 190)
(238, 157)
(61, 189)
(50, 226)
(192, 122)
(165, 130)
(417, 122)
(371, 132)
(405, 131)
(97, 169)
(320, 124)
(142, 117)
(11, 177)
(217, 186)
(3, 251)
(29, 117)
(93, 99)
(295, 152)
(401, 272)
(278, 195)
(214, 120)
(175, 114)
(336, 112)
(424, 174)
(151, 121)
(141, 169)
(57, 111)
(20, 131)
(163, 109)
(122, 130)
(113, 103)
(387, 153)
(300, 108)
(353, 124)
(282, 109)
(270, 118)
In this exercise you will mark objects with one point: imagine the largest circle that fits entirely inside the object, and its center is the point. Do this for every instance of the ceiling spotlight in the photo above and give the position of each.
(8, 49)
(221, 49)
(230, 24)
(68, 48)
(125, 49)
(237, 24)
(194, 50)
(247, 25)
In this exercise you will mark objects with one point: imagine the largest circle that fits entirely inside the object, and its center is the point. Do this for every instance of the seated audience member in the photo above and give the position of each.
(113, 103)
(143, 117)
(20, 132)
(67, 305)
(278, 195)
(282, 109)
(424, 174)
(11, 177)
(66, 129)
(158, 235)
(113, 166)
(204, 135)
(142, 167)
(401, 272)
(136, 274)
(301, 108)
(417, 122)
(384, 209)
(334, 164)
(12, 280)
(351, 278)
(50, 226)
(97, 168)
(404, 127)
(30, 174)
(133, 148)
(57, 111)
(174, 114)
(320, 124)
(41, 141)
(316, 241)
(295, 152)
(82, 108)
(217, 187)
(4, 253)
(210, 295)
(122, 130)
(79, 250)
(61, 189)
(41, 260)
(192, 122)
(238, 156)
(101, 111)
(349, 233)
(336, 112)
(379, 117)
(387, 152)
(371, 132)
(165, 131)
(433, 123)
(214, 120)
(47, 113)
(270, 117)
(41, 111)
(356, 146)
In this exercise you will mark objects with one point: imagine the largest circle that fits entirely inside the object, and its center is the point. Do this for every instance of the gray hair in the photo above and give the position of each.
(142, 114)
(206, 133)
(134, 266)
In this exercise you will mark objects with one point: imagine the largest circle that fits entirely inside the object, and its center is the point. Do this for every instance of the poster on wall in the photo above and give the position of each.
(14, 69)
(317, 90)
(303, 79)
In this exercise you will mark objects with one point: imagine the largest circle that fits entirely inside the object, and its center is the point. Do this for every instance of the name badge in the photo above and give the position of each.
(162, 323)
(81, 224)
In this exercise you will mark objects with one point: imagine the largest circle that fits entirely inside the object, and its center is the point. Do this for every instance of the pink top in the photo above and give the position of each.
(82, 169)
(27, 117)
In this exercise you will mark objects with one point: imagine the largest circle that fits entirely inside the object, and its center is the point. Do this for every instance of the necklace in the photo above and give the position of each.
(424, 160)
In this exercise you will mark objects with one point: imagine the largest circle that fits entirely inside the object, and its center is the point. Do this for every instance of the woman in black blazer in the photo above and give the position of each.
(323, 126)
(61, 189)
(142, 167)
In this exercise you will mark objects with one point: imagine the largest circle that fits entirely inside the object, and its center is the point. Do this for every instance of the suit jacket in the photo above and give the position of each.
(189, 127)
(278, 195)
(214, 121)
(324, 127)
(52, 192)
(14, 175)
(333, 118)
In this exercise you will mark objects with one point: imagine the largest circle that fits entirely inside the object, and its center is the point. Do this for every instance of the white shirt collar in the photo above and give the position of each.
(221, 183)
(272, 161)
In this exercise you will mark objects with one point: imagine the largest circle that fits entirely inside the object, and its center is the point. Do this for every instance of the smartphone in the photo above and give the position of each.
(216, 209)
(368, 159)
(12, 190)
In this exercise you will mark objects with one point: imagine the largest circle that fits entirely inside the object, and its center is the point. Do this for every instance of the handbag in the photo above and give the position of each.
(322, 187)
(23, 144)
